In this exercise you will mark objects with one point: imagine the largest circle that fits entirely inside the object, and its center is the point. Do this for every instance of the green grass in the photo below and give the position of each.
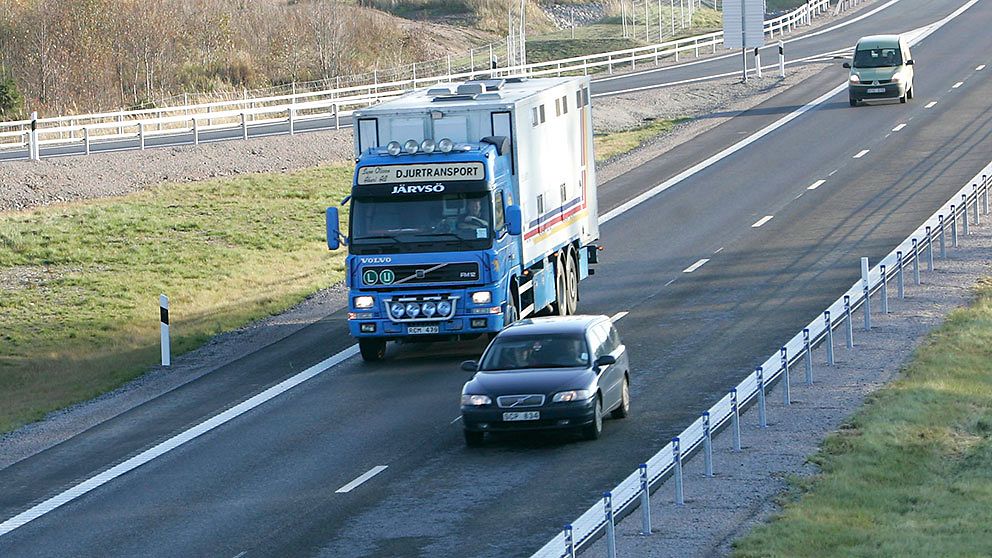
(79, 284)
(618, 143)
(911, 474)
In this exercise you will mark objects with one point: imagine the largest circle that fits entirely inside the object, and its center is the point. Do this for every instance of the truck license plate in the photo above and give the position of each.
(876, 90)
(526, 415)
(421, 330)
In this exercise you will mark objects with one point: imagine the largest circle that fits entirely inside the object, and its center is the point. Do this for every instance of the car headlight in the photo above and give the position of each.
(397, 309)
(855, 79)
(482, 297)
(364, 302)
(475, 400)
(897, 78)
(571, 395)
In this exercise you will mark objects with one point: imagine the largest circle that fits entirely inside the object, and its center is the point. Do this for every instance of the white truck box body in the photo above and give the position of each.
(549, 124)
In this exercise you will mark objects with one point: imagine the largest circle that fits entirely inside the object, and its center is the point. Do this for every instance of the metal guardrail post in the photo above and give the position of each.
(611, 528)
(885, 289)
(978, 219)
(900, 281)
(866, 292)
(645, 501)
(735, 420)
(86, 139)
(830, 337)
(916, 262)
(849, 327)
(569, 542)
(196, 132)
(677, 461)
(943, 248)
(786, 384)
(954, 227)
(808, 356)
(762, 422)
(930, 248)
(141, 136)
(964, 214)
(985, 196)
(707, 446)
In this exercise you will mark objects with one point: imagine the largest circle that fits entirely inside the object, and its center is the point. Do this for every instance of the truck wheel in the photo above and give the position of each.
(372, 349)
(571, 285)
(560, 306)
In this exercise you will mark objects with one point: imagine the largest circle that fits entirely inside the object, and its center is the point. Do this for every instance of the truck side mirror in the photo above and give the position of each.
(333, 234)
(514, 220)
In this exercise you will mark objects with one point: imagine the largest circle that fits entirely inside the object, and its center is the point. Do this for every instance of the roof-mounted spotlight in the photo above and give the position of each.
(393, 148)
(445, 145)
(427, 146)
(411, 146)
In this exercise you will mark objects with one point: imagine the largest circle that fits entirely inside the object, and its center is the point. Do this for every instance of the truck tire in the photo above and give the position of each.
(571, 284)
(560, 306)
(372, 350)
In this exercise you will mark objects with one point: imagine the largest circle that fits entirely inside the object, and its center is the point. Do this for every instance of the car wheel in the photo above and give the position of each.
(474, 439)
(592, 430)
(853, 101)
(571, 285)
(624, 409)
(372, 349)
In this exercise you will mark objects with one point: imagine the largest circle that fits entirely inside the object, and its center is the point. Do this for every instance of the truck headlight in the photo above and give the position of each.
(475, 400)
(364, 302)
(571, 395)
(482, 297)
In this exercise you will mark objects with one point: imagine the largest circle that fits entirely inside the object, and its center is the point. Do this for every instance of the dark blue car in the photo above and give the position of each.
(548, 373)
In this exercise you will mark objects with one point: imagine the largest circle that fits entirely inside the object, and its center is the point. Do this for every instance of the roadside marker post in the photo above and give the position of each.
(757, 62)
(781, 59)
(34, 152)
(163, 303)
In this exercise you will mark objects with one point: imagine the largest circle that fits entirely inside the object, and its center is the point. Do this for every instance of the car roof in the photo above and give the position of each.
(877, 41)
(552, 325)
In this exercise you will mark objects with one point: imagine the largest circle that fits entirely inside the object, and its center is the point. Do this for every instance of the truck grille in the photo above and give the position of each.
(420, 274)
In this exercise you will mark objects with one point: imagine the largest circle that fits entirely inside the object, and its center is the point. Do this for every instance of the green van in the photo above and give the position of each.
(882, 69)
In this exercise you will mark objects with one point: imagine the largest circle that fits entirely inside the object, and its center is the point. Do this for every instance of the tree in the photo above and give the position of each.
(11, 100)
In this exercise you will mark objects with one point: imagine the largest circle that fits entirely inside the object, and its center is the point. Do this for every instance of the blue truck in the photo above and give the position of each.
(473, 205)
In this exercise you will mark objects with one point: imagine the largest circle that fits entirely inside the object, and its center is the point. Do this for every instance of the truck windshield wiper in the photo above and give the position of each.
(441, 234)
(379, 237)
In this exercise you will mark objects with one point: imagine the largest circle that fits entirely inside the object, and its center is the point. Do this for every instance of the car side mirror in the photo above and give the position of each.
(909, 62)
(514, 220)
(470, 366)
(606, 360)
(847, 65)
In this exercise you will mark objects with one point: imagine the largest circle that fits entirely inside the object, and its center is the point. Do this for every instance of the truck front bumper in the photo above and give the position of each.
(466, 325)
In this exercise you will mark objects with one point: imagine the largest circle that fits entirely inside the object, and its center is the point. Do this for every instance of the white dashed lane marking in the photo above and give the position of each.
(695, 266)
(618, 316)
(816, 185)
(862, 153)
(899, 127)
(358, 482)
(930, 104)
(762, 221)
(958, 84)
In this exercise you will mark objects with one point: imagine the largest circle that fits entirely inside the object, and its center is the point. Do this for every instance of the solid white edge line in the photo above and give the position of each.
(930, 104)
(762, 221)
(958, 84)
(695, 266)
(360, 480)
(618, 316)
(172, 443)
(899, 127)
(816, 184)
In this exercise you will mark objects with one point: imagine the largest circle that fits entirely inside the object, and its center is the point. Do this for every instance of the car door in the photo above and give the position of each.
(610, 376)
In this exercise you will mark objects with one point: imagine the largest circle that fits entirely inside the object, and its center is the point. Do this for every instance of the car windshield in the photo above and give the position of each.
(518, 352)
(453, 221)
(877, 57)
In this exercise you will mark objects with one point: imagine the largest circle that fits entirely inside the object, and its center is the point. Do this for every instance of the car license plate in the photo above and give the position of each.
(875, 90)
(421, 330)
(525, 415)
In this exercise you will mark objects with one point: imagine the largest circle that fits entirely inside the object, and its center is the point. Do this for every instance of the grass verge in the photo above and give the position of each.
(79, 284)
(911, 474)
(613, 144)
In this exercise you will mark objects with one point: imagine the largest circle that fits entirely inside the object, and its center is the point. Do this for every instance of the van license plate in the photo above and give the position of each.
(876, 90)
(421, 330)
(526, 415)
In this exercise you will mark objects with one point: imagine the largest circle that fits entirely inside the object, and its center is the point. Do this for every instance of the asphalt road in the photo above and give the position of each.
(265, 483)
(890, 15)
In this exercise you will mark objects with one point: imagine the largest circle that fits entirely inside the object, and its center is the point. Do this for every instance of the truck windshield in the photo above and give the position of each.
(451, 222)
(877, 58)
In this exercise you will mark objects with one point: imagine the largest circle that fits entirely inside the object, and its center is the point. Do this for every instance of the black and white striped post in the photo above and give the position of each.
(163, 303)
(781, 59)
(757, 62)
(34, 153)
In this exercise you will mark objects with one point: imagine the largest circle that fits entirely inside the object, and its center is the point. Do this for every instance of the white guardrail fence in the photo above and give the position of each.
(635, 490)
(333, 104)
